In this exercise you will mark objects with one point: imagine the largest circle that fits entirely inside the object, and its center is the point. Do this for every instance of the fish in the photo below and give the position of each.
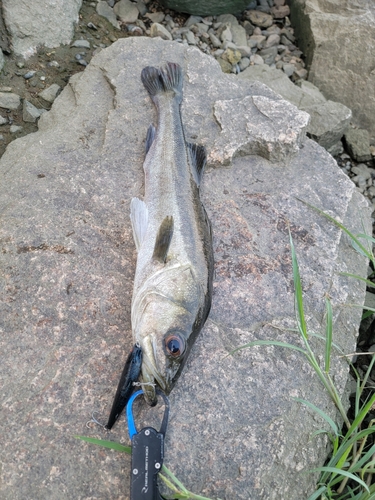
(172, 290)
(125, 387)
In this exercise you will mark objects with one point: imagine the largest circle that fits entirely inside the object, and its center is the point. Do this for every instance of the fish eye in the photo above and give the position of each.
(174, 345)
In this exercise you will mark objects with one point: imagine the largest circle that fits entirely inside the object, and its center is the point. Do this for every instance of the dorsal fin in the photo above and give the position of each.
(150, 137)
(198, 160)
(163, 240)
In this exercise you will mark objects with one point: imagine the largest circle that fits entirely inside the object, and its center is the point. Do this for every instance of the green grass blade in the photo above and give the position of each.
(316, 495)
(171, 486)
(368, 496)
(366, 315)
(106, 444)
(298, 291)
(366, 236)
(321, 337)
(355, 276)
(364, 460)
(361, 416)
(358, 306)
(321, 413)
(345, 448)
(174, 479)
(270, 343)
(366, 469)
(342, 473)
(328, 335)
(363, 249)
(367, 374)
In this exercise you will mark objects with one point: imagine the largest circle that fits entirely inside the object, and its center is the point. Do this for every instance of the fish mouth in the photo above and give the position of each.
(150, 371)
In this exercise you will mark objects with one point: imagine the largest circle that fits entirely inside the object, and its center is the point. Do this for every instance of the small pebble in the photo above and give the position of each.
(272, 40)
(159, 30)
(81, 44)
(190, 38)
(50, 93)
(193, 20)
(244, 63)
(29, 75)
(218, 53)
(155, 17)
(226, 35)
(13, 129)
(256, 59)
(288, 68)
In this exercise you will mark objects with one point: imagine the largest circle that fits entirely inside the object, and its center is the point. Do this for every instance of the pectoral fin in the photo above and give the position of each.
(163, 240)
(197, 155)
(139, 220)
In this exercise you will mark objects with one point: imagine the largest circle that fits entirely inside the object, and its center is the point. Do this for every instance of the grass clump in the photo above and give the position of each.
(349, 472)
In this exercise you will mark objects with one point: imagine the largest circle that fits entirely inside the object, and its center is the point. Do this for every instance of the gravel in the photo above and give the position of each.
(261, 35)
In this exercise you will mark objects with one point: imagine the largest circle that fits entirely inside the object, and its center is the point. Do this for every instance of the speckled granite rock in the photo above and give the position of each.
(340, 32)
(68, 261)
(358, 144)
(328, 120)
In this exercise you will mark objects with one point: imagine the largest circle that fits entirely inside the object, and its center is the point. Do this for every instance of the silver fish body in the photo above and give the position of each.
(173, 279)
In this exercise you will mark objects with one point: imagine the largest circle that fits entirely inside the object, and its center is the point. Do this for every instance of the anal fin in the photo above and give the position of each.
(163, 240)
(198, 160)
(139, 220)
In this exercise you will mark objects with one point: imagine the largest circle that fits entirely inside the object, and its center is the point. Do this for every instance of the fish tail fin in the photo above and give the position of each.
(168, 79)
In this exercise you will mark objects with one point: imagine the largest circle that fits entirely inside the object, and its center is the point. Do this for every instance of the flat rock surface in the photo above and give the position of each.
(68, 261)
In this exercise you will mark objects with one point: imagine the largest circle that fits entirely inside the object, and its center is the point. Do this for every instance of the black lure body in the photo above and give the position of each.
(125, 387)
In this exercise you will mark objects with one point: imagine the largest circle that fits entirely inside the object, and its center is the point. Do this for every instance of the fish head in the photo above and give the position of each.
(165, 339)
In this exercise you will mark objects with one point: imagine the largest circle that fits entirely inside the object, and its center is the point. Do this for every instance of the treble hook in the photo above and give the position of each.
(94, 421)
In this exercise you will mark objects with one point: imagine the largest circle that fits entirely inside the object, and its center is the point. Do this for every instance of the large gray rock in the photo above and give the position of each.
(2, 60)
(68, 264)
(329, 119)
(337, 38)
(358, 144)
(36, 23)
(206, 7)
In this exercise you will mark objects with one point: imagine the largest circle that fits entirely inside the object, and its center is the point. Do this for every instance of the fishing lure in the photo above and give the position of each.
(125, 387)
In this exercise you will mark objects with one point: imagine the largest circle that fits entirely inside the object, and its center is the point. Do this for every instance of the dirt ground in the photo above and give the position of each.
(64, 65)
